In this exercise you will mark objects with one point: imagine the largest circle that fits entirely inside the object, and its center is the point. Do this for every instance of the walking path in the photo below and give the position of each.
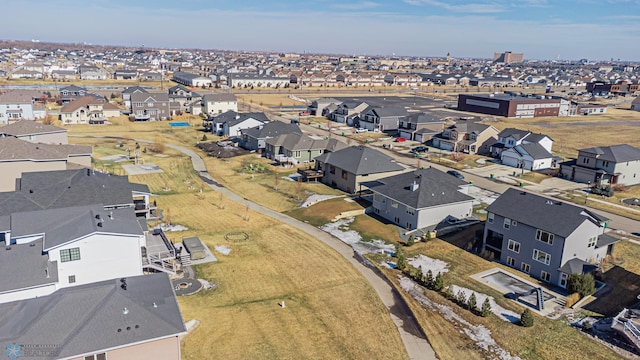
(414, 340)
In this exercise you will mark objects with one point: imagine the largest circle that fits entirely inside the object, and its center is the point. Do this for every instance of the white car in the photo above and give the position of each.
(361, 130)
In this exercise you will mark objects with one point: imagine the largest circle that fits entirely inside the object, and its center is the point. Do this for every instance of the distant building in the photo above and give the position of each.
(218, 103)
(616, 164)
(20, 105)
(35, 132)
(514, 106)
(508, 57)
(619, 88)
(88, 110)
(150, 106)
(191, 79)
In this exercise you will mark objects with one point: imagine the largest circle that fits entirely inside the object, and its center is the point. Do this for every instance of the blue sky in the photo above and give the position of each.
(541, 29)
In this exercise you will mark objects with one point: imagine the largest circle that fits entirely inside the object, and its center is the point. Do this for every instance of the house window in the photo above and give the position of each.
(507, 223)
(396, 220)
(296, 154)
(101, 356)
(490, 218)
(591, 242)
(139, 104)
(149, 104)
(409, 210)
(514, 246)
(525, 267)
(376, 197)
(72, 279)
(544, 236)
(511, 261)
(332, 169)
(345, 175)
(605, 163)
(541, 256)
(545, 276)
(563, 280)
(70, 254)
(394, 205)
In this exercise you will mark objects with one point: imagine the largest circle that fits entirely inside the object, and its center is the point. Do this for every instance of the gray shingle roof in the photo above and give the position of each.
(615, 153)
(66, 224)
(215, 97)
(232, 118)
(577, 266)
(535, 150)
(539, 212)
(425, 118)
(91, 318)
(272, 129)
(435, 188)
(67, 188)
(28, 266)
(29, 127)
(515, 133)
(360, 160)
(12, 149)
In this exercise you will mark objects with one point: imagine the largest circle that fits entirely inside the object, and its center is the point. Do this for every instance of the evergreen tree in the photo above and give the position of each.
(411, 241)
(461, 298)
(486, 308)
(429, 279)
(472, 302)
(526, 319)
(438, 284)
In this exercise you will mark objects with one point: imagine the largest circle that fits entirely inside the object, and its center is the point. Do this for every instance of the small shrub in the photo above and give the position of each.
(429, 279)
(411, 240)
(486, 308)
(157, 148)
(572, 299)
(447, 292)
(401, 261)
(461, 298)
(438, 284)
(204, 137)
(583, 284)
(526, 319)
(587, 326)
(472, 302)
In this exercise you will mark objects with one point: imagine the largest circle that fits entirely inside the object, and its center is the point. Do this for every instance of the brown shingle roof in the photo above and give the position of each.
(29, 127)
(83, 101)
(16, 149)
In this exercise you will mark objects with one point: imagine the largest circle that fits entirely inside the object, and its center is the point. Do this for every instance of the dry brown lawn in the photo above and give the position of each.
(547, 339)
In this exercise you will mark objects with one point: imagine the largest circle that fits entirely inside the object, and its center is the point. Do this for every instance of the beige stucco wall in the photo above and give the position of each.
(11, 170)
(166, 349)
(53, 138)
(84, 160)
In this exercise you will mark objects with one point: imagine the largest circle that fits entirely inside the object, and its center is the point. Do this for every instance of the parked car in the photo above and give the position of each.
(361, 130)
(419, 149)
(456, 174)
(304, 113)
(400, 139)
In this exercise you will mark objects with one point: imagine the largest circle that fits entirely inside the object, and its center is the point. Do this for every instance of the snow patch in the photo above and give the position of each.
(223, 249)
(339, 230)
(170, 227)
(426, 263)
(499, 311)
(478, 333)
(316, 198)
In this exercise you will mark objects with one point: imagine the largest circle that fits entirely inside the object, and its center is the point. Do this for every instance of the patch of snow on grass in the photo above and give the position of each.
(499, 311)
(478, 333)
(170, 227)
(426, 263)
(339, 230)
(316, 198)
(223, 249)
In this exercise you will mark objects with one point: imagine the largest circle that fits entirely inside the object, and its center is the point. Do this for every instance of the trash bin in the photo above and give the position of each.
(521, 184)
(491, 176)
(514, 173)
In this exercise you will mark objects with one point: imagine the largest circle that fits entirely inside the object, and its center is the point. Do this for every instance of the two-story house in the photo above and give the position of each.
(545, 238)
(421, 126)
(466, 136)
(421, 198)
(231, 123)
(382, 118)
(71, 92)
(616, 164)
(19, 105)
(317, 107)
(523, 149)
(347, 168)
(88, 110)
(346, 112)
(218, 103)
(511, 137)
(299, 148)
(68, 247)
(126, 94)
(255, 138)
(183, 96)
(150, 106)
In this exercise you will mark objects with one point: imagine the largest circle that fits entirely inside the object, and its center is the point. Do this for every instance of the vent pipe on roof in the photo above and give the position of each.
(414, 186)
(46, 273)
(125, 311)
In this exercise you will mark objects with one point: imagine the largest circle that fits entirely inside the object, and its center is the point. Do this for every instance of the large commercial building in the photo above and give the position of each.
(509, 105)
(508, 57)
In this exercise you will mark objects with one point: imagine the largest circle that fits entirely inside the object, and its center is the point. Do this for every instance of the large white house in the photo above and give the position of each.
(19, 105)
(67, 247)
(214, 104)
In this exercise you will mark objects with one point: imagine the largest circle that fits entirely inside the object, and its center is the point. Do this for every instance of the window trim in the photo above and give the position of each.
(490, 217)
(511, 261)
(72, 254)
(506, 224)
(525, 268)
(543, 278)
(546, 256)
(550, 236)
(513, 246)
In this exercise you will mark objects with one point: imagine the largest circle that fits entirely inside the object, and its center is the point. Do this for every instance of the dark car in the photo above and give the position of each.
(456, 174)
(419, 149)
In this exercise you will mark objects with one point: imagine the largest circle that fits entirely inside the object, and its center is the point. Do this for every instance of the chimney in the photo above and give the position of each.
(414, 186)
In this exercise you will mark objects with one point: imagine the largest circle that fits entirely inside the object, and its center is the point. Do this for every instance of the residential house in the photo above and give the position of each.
(466, 136)
(218, 103)
(231, 123)
(421, 126)
(150, 106)
(250, 80)
(71, 92)
(123, 318)
(616, 164)
(255, 138)
(348, 168)
(296, 148)
(126, 94)
(18, 105)
(382, 118)
(421, 198)
(88, 110)
(26, 74)
(35, 132)
(20, 156)
(191, 79)
(63, 75)
(347, 112)
(151, 76)
(40, 190)
(523, 149)
(125, 74)
(93, 74)
(183, 96)
(318, 106)
(544, 238)
(635, 104)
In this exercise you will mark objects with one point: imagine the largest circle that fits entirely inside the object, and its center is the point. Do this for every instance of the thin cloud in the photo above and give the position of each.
(363, 5)
(471, 8)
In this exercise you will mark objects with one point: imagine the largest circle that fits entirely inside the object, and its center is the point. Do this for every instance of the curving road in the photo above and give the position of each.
(414, 340)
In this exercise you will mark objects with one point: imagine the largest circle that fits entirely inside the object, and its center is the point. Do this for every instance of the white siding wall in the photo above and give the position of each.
(102, 257)
(434, 215)
(27, 294)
